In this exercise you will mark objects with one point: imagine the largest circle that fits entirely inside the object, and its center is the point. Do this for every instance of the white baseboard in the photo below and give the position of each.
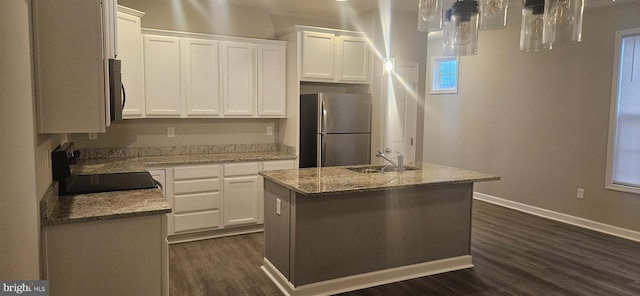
(560, 217)
(366, 280)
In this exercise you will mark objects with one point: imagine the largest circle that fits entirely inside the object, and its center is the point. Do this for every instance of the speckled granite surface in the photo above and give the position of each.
(122, 204)
(133, 164)
(338, 180)
(78, 208)
(132, 152)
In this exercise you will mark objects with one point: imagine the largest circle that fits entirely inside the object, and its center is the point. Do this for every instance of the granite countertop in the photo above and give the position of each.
(77, 208)
(143, 163)
(55, 210)
(339, 180)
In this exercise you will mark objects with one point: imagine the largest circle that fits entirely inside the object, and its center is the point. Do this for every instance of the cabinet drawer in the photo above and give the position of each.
(196, 172)
(277, 165)
(196, 221)
(241, 169)
(195, 186)
(196, 202)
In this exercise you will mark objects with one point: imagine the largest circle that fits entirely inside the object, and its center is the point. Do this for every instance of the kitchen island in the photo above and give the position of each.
(331, 230)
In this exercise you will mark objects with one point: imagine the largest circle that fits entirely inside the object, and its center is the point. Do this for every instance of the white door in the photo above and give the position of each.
(400, 112)
(162, 76)
(202, 77)
(239, 76)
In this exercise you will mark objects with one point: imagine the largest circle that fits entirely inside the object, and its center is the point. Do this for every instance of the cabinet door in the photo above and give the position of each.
(202, 77)
(130, 53)
(353, 59)
(240, 200)
(318, 61)
(239, 77)
(271, 81)
(162, 76)
(72, 96)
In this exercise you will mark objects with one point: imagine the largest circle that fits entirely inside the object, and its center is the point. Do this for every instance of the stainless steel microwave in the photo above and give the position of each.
(117, 95)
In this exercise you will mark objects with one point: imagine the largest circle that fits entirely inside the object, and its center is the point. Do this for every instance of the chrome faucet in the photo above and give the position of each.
(399, 164)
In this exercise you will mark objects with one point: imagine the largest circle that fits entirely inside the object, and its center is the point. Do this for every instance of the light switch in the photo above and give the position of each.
(171, 132)
(269, 130)
(279, 207)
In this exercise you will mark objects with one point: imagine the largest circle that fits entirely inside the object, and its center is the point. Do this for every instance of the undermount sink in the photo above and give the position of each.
(380, 169)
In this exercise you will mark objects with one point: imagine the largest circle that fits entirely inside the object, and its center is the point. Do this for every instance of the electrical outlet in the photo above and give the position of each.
(269, 130)
(580, 193)
(93, 136)
(171, 132)
(279, 207)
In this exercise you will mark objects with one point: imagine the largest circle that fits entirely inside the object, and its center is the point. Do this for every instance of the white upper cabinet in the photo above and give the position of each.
(130, 53)
(73, 40)
(271, 80)
(206, 76)
(318, 55)
(162, 76)
(353, 59)
(202, 61)
(239, 77)
(334, 56)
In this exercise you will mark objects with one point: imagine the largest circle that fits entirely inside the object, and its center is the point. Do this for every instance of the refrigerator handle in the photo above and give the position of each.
(324, 151)
(323, 129)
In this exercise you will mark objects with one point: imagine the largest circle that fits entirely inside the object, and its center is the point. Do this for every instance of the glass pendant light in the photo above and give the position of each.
(493, 14)
(562, 21)
(532, 26)
(464, 27)
(429, 15)
(447, 38)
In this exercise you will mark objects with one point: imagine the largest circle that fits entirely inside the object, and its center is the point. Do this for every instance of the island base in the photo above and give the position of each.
(366, 280)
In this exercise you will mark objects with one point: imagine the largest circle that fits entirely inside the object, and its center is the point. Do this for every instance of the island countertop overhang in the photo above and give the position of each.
(340, 180)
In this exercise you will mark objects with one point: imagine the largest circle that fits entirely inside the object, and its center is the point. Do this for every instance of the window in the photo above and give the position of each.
(444, 75)
(623, 154)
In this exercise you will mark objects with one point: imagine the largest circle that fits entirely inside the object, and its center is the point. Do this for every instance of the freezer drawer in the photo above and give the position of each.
(344, 149)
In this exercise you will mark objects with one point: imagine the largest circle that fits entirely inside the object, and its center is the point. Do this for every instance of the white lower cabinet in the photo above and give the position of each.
(218, 196)
(241, 193)
(196, 198)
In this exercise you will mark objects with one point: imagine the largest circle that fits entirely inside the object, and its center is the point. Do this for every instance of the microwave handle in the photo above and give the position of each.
(124, 96)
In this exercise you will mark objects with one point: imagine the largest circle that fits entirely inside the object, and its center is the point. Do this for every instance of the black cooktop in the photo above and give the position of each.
(77, 184)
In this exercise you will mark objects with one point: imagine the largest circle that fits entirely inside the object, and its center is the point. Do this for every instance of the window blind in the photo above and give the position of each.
(626, 158)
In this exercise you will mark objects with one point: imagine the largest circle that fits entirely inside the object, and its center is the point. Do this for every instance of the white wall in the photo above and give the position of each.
(19, 223)
(540, 120)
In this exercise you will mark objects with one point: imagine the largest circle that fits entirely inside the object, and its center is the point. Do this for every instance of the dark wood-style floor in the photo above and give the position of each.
(514, 254)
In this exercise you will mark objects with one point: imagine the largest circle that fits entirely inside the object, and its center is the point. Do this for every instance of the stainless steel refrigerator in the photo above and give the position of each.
(335, 129)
